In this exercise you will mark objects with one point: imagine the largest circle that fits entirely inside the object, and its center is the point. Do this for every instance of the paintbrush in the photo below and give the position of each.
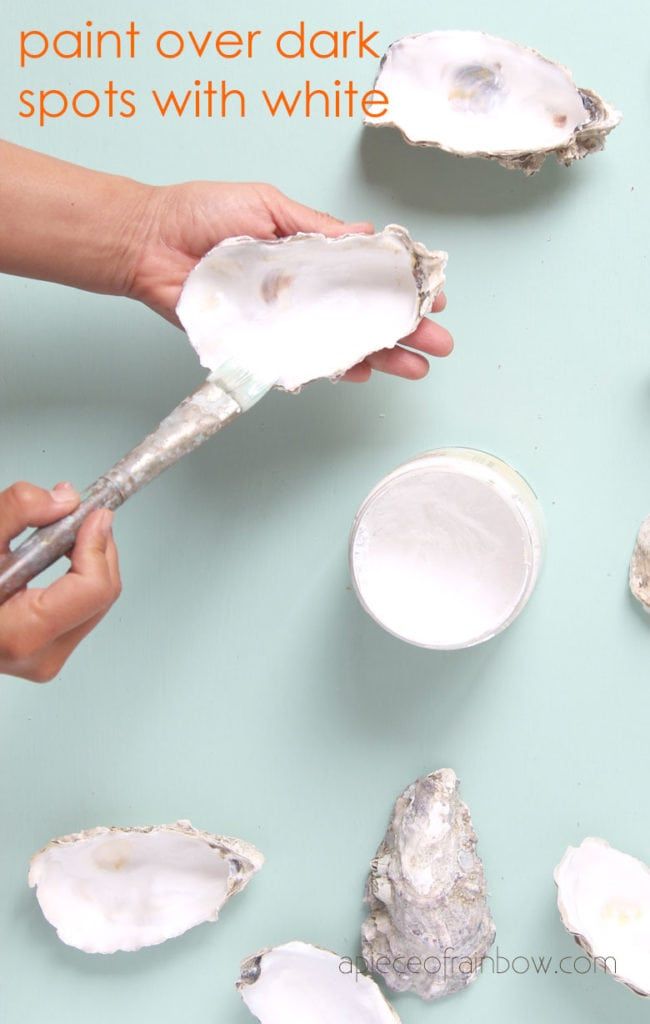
(242, 297)
(225, 395)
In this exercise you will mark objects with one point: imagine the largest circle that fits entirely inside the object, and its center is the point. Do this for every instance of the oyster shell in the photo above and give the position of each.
(640, 566)
(299, 308)
(603, 896)
(428, 909)
(304, 984)
(474, 94)
(110, 889)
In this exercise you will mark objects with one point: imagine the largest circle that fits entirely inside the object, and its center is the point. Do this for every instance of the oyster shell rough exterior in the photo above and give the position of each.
(110, 889)
(301, 983)
(474, 94)
(426, 890)
(640, 566)
(296, 309)
(603, 896)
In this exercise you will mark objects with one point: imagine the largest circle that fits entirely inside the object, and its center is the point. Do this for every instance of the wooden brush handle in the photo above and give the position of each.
(191, 423)
(44, 547)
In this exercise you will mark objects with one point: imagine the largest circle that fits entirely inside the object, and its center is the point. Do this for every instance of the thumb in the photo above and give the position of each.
(293, 217)
(23, 505)
(89, 552)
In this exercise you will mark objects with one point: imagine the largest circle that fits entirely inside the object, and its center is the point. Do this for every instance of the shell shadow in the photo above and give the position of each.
(152, 375)
(595, 996)
(42, 936)
(204, 941)
(429, 179)
(342, 418)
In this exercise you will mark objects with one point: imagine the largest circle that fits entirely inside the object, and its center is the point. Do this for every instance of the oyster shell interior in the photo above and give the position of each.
(474, 94)
(302, 984)
(110, 889)
(603, 896)
(296, 309)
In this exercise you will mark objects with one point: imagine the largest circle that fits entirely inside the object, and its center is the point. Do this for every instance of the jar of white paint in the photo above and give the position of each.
(445, 551)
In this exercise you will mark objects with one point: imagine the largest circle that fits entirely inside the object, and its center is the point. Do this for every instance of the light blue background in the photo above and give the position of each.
(238, 682)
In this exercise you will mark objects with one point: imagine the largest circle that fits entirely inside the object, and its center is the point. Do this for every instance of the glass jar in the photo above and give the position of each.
(445, 551)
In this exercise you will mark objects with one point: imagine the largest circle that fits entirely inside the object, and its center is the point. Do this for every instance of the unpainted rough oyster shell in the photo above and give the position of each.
(299, 308)
(473, 94)
(603, 896)
(302, 984)
(640, 566)
(110, 889)
(429, 916)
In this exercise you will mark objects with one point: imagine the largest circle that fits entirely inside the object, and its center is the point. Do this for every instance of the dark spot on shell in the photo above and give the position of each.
(475, 87)
(251, 971)
(591, 106)
(274, 284)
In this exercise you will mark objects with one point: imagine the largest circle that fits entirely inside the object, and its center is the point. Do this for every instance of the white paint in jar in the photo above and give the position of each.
(446, 550)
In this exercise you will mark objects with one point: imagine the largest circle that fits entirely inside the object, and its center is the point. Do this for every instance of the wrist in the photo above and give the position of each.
(128, 211)
(68, 224)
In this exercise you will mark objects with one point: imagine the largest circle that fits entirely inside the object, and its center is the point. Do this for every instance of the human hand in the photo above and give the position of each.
(40, 627)
(181, 222)
(105, 233)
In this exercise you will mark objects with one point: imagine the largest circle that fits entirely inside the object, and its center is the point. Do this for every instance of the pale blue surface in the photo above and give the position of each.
(237, 682)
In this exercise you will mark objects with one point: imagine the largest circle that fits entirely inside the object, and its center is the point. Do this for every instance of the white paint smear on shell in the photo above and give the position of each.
(442, 558)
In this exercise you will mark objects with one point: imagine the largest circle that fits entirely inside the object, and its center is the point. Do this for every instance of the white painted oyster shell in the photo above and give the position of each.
(110, 889)
(302, 984)
(428, 906)
(603, 896)
(299, 308)
(640, 566)
(473, 94)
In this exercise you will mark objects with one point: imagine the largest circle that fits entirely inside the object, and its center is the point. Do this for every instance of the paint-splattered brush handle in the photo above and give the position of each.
(191, 423)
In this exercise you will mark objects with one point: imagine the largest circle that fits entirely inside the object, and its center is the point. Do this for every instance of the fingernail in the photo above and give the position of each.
(63, 492)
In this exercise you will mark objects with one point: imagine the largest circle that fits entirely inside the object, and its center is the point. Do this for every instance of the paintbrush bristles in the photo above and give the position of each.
(240, 383)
